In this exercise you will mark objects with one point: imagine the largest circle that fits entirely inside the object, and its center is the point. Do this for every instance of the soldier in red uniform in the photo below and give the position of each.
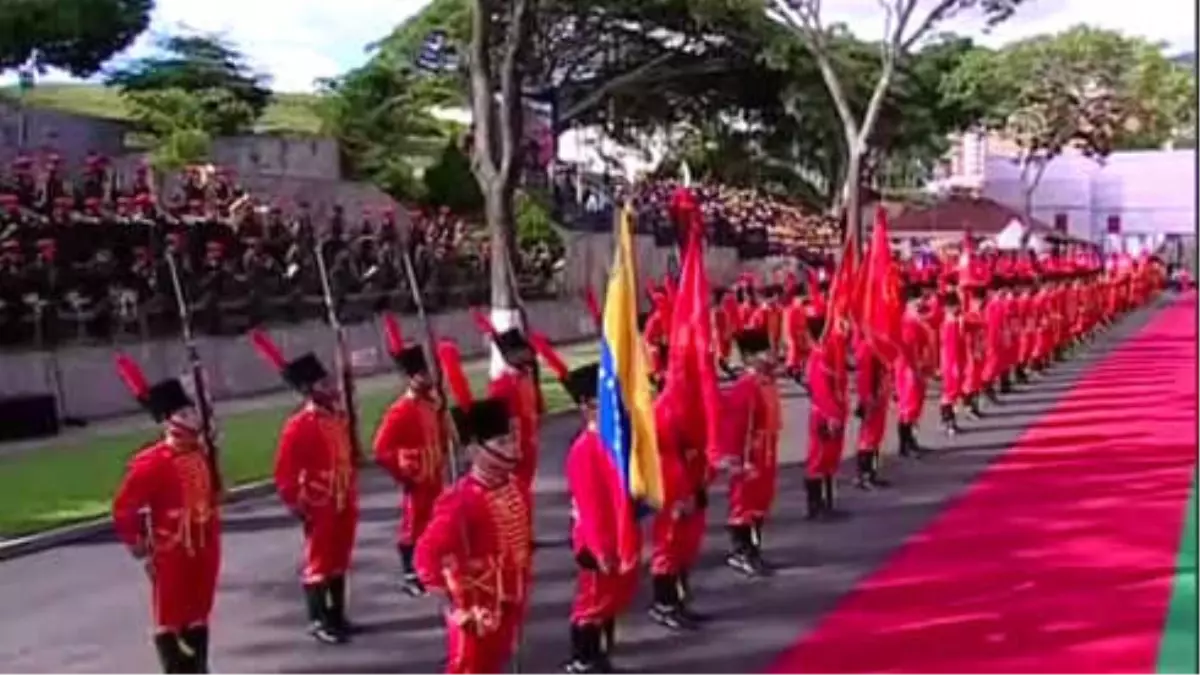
(914, 363)
(316, 477)
(517, 387)
(829, 383)
(795, 337)
(166, 512)
(951, 361)
(605, 536)
(973, 335)
(678, 529)
(751, 452)
(874, 398)
(478, 548)
(410, 445)
(995, 341)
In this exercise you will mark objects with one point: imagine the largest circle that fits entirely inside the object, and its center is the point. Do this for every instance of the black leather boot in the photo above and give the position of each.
(608, 645)
(171, 656)
(320, 619)
(829, 510)
(973, 407)
(741, 545)
(757, 560)
(815, 498)
(585, 649)
(195, 648)
(666, 608)
(949, 422)
(684, 592)
(1006, 383)
(337, 608)
(862, 462)
(412, 584)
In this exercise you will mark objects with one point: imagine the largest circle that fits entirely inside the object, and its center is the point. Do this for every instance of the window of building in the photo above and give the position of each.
(1114, 224)
(1060, 222)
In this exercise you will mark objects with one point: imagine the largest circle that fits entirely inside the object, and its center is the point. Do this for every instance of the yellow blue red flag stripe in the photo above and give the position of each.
(626, 403)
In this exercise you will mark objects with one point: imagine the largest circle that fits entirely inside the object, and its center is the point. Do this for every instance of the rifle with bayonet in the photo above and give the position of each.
(345, 372)
(208, 428)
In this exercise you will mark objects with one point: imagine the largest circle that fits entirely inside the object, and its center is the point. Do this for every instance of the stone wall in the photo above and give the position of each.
(86, 380)
(312, 158)
(72, 136)
(589, 255)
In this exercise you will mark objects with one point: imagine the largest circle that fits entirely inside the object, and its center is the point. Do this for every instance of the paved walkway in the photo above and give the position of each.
(82, 608)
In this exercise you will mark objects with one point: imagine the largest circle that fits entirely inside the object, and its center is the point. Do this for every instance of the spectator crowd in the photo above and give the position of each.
(756, 223)
(83, 255)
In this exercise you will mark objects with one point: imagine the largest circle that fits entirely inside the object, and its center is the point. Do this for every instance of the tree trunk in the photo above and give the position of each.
(501, 226)
(852, 190)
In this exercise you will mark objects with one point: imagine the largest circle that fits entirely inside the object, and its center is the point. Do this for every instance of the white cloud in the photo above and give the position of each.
(299, 41)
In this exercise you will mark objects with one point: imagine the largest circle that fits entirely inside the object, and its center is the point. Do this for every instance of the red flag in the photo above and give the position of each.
(691, 361)
(842, 304)
(880, 303)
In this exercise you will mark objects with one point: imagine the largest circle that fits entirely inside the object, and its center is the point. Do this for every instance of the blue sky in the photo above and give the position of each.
(299, 41)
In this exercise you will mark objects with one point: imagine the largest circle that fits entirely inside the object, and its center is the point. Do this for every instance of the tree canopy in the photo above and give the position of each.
(78, 36)
(1095, 90)
(202, 64)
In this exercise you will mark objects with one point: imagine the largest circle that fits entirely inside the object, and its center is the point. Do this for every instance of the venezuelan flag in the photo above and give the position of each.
(626, 403)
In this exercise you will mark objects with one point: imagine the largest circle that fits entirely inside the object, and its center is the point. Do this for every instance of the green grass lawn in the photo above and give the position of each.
(72, 481)
(288, 113)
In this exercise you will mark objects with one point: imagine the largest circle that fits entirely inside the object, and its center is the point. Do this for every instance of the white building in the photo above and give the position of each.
(1130, 201)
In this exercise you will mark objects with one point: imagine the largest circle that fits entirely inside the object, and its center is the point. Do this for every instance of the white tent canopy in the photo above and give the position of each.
(1015, 237)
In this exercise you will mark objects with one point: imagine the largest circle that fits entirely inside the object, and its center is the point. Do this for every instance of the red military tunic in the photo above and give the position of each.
(479, 549)
(873, 386)
(604, 526)
(951, 358)
(655, 335)
(411, 446)
(828, 379)
(973, 351)
(995, 338)
(768, 316)
(753, 443)
(183, 523)
(1043, 309)
(678, 530)
(519, 393)
(316, 478)
(795, 332)
(912, 366)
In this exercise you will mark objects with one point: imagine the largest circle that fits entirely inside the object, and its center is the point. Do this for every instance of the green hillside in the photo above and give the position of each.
(289, 113)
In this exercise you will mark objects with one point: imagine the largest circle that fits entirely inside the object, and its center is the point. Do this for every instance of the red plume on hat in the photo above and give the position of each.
(483, 323)
(133, 377)
(541, 345)
(393, 334)
(450, 359)
(589, 297)
(267, 348)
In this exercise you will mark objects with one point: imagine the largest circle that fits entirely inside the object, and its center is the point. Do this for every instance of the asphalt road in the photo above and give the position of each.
(83, 607)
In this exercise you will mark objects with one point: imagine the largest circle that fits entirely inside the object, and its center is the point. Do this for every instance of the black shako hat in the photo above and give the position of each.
(753, 341)
(583, 382)
(167, 398)
(486, 419)
(305, 371)
(513, 346)
(411, 361)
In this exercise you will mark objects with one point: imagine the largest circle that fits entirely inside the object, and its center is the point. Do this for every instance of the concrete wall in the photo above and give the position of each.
(589, 256)
(72, 136)
(298, 157)
(90, 389)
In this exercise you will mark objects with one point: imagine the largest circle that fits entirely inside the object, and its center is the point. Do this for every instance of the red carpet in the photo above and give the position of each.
(1059, 559)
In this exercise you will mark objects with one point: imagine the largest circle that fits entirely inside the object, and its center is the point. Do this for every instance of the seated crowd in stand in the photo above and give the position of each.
(82, 257)
(736, 217)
